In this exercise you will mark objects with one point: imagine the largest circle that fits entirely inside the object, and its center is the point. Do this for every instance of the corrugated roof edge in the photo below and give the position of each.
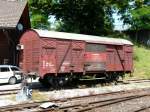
(82, 37)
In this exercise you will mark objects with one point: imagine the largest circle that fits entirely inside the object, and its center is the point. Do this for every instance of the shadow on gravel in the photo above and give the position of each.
(72, 85)
(38, 86)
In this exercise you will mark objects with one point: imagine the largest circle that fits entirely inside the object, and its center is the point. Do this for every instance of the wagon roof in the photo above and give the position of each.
(87, 38)
(10, 12)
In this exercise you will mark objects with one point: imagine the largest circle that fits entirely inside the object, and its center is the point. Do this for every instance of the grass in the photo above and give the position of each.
(141, 62)
(37, 96)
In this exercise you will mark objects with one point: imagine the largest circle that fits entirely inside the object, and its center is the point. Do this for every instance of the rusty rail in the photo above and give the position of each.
(80, 107)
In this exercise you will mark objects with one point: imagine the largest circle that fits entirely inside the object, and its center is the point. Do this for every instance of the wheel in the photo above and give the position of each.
(62, 81)
(53, 81)
(12, 80)
(44, 82)
(57, 82)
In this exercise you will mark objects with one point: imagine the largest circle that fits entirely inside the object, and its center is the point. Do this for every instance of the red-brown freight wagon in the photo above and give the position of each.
(58, 57)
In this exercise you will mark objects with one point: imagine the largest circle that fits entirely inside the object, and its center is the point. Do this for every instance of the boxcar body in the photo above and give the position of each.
(63, 55)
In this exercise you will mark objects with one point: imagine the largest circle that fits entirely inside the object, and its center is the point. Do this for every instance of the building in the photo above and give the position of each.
(14, 20)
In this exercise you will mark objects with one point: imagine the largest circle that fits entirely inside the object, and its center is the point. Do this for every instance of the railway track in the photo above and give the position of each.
(137, 81)
(143, 109)
(77, 105)
(14, 91)
(89, 105)
(98, 104)
(9, 92)
(81, 104)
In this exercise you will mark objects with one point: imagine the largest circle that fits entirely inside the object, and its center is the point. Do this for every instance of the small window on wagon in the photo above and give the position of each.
(14, 69)
(4, 69)
(95, 48)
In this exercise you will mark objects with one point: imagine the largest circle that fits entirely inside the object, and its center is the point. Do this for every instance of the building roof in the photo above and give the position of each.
(87, 38)
(10, 12)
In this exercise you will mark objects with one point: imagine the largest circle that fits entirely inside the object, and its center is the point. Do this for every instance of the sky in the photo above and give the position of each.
(118, 24)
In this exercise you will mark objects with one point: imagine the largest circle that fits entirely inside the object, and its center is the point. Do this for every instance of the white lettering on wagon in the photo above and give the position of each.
(46, 64)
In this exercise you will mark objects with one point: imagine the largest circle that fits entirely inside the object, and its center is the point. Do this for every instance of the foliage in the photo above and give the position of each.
(137, 14)
(39, 21)
(89, 16)
(80, 16)
(39, 17)
(141, 18)
(134, 12)
(117, 34)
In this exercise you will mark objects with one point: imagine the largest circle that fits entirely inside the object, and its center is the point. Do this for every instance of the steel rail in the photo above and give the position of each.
(36, 104)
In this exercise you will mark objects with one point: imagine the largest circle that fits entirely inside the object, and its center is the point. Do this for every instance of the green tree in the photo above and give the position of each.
(40, 21)
(137, 16)
(80, 16)
(84, 16)
(38, 16)
(136, 13)
(140, 15)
